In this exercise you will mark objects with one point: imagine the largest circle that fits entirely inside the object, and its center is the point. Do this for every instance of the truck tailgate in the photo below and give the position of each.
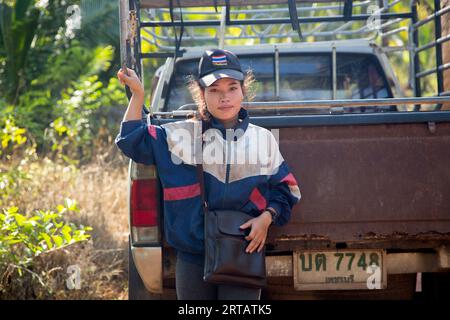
(377, 185)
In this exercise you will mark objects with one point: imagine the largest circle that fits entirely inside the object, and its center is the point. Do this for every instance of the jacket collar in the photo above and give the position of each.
(243, 121)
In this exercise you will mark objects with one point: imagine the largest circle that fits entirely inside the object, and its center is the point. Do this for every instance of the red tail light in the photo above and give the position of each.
(143, 203)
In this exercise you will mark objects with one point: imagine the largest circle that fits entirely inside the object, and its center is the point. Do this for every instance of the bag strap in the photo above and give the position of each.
(201, 180)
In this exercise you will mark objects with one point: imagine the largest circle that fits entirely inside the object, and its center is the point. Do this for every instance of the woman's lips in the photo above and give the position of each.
(225, 107)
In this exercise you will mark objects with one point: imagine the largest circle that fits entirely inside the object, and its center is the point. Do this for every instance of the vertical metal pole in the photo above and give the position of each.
(277, 73)
(223, 16)
(415, 35)
(138, 53)
(411, 52)
(137, 42)
(382, 4)
(123, 19)
(334, 76)
(134, 42)
(124, 11)
(438, 34)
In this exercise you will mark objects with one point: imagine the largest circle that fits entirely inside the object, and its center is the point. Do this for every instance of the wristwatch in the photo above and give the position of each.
(272, 212)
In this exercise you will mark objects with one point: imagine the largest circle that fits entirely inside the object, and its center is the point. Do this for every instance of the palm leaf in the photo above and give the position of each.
(18, 23)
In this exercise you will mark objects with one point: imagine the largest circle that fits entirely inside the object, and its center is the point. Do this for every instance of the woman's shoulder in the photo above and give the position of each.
(253, 128)
(188, 129)
(181, 138)
(188, 124)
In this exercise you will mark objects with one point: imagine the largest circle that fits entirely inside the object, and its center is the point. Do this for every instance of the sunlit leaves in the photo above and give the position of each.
(11, 136)
(25, 236)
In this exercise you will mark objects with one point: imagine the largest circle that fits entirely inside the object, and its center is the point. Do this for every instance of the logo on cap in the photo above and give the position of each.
(219, 60)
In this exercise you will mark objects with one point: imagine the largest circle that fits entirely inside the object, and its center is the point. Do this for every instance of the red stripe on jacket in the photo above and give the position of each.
(290, 180)
(257, 198)
(181, 193)
(152, 131)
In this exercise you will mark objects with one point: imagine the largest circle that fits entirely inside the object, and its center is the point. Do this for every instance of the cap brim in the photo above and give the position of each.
(209, 79)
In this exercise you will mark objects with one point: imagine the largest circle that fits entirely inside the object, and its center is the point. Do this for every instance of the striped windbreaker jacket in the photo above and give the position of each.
(243, 170)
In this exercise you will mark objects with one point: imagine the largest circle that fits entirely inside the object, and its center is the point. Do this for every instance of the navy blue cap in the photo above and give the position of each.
(216, 64)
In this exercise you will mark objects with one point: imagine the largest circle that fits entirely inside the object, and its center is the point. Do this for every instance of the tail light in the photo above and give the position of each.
(143, 203)
(144, 221)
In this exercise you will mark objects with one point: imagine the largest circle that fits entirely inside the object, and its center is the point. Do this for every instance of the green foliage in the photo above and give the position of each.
(67, 105)
(11, 136)
(65, 66)
(28, 34)
(43, 78)
(103, 13)
(18, 23)
(33, 112)
(23, 237)
(13, 139)
(83, 116)
(10, 183)
(70, 95)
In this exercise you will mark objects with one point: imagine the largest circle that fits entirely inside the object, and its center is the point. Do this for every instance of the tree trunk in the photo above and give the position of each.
(445, 21)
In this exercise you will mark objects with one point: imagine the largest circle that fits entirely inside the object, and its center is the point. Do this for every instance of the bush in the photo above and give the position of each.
(11, 137)
(85, 118)
(24, 237)
(68, 112)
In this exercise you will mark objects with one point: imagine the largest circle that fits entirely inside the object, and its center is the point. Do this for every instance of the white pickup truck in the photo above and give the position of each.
(372, 167)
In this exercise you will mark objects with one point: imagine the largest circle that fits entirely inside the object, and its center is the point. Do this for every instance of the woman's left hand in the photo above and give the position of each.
(258, 233)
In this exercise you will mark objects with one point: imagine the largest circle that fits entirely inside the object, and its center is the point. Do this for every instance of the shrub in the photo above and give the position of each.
(86, 118)
(11, 137)
(24, 237)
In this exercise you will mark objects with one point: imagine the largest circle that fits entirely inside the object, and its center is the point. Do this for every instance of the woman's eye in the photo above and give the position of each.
(233, 88)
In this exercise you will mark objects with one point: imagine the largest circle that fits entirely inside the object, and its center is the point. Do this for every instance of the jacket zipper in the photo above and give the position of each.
(227, 176)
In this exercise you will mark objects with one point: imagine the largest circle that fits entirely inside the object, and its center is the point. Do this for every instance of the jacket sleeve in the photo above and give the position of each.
(284, 193)
(134, 140)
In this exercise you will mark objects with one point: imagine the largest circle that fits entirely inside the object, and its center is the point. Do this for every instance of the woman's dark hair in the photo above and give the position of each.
(197, 90)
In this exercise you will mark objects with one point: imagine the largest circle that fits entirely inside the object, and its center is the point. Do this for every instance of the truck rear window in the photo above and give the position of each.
(302, 77)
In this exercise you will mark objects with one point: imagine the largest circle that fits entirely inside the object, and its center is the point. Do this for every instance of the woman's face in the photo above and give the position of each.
(223, 99)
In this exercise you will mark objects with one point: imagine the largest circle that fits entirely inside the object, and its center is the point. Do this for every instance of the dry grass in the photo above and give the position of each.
(100, 189)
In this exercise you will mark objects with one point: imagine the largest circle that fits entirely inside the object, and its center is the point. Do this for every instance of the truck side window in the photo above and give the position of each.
(263, 70)
(359, 78)
(179, 93)
(305, 77)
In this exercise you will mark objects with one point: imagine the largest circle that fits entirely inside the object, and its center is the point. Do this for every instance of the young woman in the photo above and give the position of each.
(243, 169)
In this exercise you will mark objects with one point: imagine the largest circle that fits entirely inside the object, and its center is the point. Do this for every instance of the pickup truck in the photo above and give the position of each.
(374, 219)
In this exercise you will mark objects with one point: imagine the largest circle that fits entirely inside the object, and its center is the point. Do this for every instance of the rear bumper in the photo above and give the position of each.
(396, 263)
(148, 261)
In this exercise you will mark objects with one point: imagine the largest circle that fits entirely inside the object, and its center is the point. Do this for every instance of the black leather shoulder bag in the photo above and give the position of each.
(226, 261)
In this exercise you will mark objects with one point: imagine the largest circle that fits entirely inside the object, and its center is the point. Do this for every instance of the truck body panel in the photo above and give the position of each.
(369, 182)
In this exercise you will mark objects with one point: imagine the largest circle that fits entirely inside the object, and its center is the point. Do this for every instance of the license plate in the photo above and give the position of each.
(340, 270)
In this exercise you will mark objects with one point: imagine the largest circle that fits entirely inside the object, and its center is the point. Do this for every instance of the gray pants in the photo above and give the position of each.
(190, 286)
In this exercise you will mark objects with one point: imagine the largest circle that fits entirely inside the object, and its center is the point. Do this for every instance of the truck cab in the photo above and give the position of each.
(293, 72)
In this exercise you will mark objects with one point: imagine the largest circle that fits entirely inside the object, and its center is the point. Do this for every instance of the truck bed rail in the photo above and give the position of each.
(332, 105)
